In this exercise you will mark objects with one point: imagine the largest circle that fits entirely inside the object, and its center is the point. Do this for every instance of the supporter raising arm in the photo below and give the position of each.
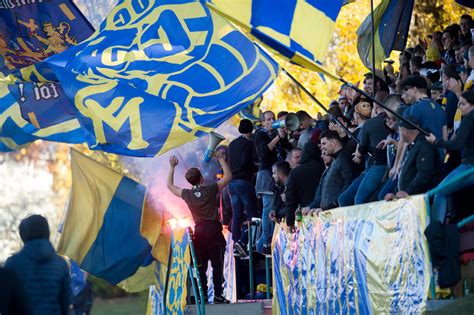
(203, 203)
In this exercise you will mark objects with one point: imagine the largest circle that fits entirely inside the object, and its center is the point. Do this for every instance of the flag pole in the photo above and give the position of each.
(352, 86)
(334, 119)
(373, 45)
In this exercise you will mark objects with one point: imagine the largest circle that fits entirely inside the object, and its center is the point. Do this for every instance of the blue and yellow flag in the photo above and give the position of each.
(30, 32)
(30, 111)
(392, 22)
(158, 74)
(113, 231)
(298, 30)
(102, 228)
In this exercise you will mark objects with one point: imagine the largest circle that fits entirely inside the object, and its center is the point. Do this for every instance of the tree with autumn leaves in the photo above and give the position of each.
(342, 58)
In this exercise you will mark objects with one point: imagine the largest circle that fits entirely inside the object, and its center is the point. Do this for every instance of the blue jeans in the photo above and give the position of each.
(347, 197)
(369, 185)
(266, 237)
(242, 197)
(389, 187)
(438, 211)
(363, 187)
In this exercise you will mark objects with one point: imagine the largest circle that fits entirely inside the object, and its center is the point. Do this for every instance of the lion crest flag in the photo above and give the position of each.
(31, 31)
(158, 74)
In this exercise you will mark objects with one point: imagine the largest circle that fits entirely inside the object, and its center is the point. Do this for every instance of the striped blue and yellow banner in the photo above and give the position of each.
(366, 259)
(298, 30)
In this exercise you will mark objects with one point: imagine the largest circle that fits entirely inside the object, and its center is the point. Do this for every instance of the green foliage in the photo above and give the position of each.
(434, 15)
(123, 306)
(104, 290)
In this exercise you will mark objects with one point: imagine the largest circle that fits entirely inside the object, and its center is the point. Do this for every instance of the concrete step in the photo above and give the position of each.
(452, 307)
(261, 307)
(264, 307)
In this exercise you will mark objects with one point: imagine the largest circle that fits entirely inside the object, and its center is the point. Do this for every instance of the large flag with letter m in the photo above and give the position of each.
(158, 74)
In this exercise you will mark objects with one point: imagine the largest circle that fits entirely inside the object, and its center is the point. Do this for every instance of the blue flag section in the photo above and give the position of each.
(158, 74)
(31, 111)
(392, 22)
(466, 3)
(78, 278)
(30, 32)
(101, 231)
(299, 30)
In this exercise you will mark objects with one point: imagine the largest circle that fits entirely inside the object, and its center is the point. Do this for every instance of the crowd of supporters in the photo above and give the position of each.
(361, 151)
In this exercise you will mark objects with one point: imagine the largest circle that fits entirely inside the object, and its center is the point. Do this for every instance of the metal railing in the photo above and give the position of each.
(195, 275)
(194, 272)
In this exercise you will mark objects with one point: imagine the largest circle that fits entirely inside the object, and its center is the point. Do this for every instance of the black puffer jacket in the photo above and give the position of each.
(303, 181)
(337, 178)
(45, 277)
(340, 176)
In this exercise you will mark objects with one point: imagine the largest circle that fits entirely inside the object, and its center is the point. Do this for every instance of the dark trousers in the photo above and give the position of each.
(210, 246)
(243, 197)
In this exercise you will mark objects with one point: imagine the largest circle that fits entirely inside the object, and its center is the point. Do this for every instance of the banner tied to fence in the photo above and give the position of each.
(366, 259)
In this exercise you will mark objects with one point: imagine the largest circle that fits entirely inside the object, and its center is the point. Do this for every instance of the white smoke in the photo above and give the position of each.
(153, 172)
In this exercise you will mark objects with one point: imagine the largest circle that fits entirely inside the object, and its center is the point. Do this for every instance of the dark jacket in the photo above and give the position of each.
(420, 168)
(464, 139)
(13, 299)
(303, 181)
(443, 241)
(241, 159)
(316, 203)
(45, 276)
(372, 132)
(277, 204)
(337, 178)
(266, 157)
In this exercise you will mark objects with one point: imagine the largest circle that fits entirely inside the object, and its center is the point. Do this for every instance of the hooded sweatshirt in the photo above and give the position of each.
(45, 277)
(303, 181)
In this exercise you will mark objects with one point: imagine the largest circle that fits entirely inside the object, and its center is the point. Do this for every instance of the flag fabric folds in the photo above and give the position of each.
(30, 32)
(363, 259)
(392, 23)
(102, 228)
(78, 277)
(25, 116)
(466, 3)
(158, 74)
(298, 30)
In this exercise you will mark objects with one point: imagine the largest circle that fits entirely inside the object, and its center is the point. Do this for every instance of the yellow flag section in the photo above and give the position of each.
(102, 228)
(366, 259)
(299, 30)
